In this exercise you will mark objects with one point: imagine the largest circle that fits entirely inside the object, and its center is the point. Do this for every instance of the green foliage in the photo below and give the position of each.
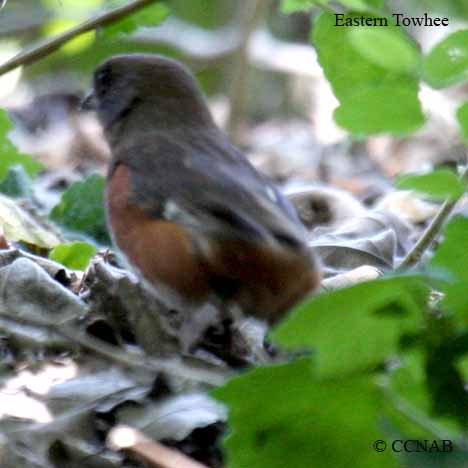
(17, 183)
(325, 410)
(356, 328)
(281, 416)
(9, 155)
(373, 98)
(60, 25)
(67, 14)
(208, 14)
(407, 382)
(372, 111)
(462, 116)
(388, 48)
(73, 8)
(81, 210)
(75, 255)
(375, 71)
(151, 15)
(447, 63)
(437, 185)
(450, 8)
(291, 6)
(452, 257)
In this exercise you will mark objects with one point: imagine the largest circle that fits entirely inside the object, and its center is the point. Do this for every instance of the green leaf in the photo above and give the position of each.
(410, 405)
(355, 328)
(81, 210)
(75, 255)
(447, 63)
(370, 111)
(280, 416)
(57, 26)
(452, 254)
(462, 366)
(152, 15)
(438, 185)
(373, 99)
(462, 116)
(9, 155)
(292, 6)
(407, 383)
(443, 379)
(17, 183)
(363, 5)
(389, 48)
(452, 257)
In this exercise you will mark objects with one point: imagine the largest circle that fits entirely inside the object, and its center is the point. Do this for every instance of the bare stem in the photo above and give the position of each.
(46, 48)
(432, 231)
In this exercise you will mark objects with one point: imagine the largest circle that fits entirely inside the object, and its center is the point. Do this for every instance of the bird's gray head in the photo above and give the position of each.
(147, 92)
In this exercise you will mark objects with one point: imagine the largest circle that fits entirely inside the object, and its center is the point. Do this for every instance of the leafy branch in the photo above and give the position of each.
(46, 48)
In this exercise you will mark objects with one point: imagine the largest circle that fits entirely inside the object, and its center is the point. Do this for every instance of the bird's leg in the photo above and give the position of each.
(219, 331)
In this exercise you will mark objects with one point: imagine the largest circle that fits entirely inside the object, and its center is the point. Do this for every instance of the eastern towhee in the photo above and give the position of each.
(192, 216)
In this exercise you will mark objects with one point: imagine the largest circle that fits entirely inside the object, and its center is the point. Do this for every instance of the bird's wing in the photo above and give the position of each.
(210, 188)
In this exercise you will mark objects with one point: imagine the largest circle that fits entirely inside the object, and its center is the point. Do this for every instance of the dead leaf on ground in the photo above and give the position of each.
(41, 299)
(378, 239)
(18, 225)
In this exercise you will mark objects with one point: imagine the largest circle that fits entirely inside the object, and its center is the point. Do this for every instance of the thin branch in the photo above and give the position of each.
(187, 367)
(132, 440)
(46, 48)
(432, 231)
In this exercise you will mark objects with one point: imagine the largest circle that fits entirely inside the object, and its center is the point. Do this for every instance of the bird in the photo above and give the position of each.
(190, 214)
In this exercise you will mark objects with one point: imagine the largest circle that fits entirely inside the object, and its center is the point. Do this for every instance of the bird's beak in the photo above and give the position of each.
(89, 102)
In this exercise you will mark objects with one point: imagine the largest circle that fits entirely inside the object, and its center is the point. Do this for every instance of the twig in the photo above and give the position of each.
(252, 14)
(42, 50)
(432, 231)
(186, 368)
(134, 441)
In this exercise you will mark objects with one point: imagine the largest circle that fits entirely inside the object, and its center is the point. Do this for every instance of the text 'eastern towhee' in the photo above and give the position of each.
(189, 212)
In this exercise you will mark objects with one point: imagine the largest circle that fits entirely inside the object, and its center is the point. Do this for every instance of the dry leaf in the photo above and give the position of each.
(18, 225)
